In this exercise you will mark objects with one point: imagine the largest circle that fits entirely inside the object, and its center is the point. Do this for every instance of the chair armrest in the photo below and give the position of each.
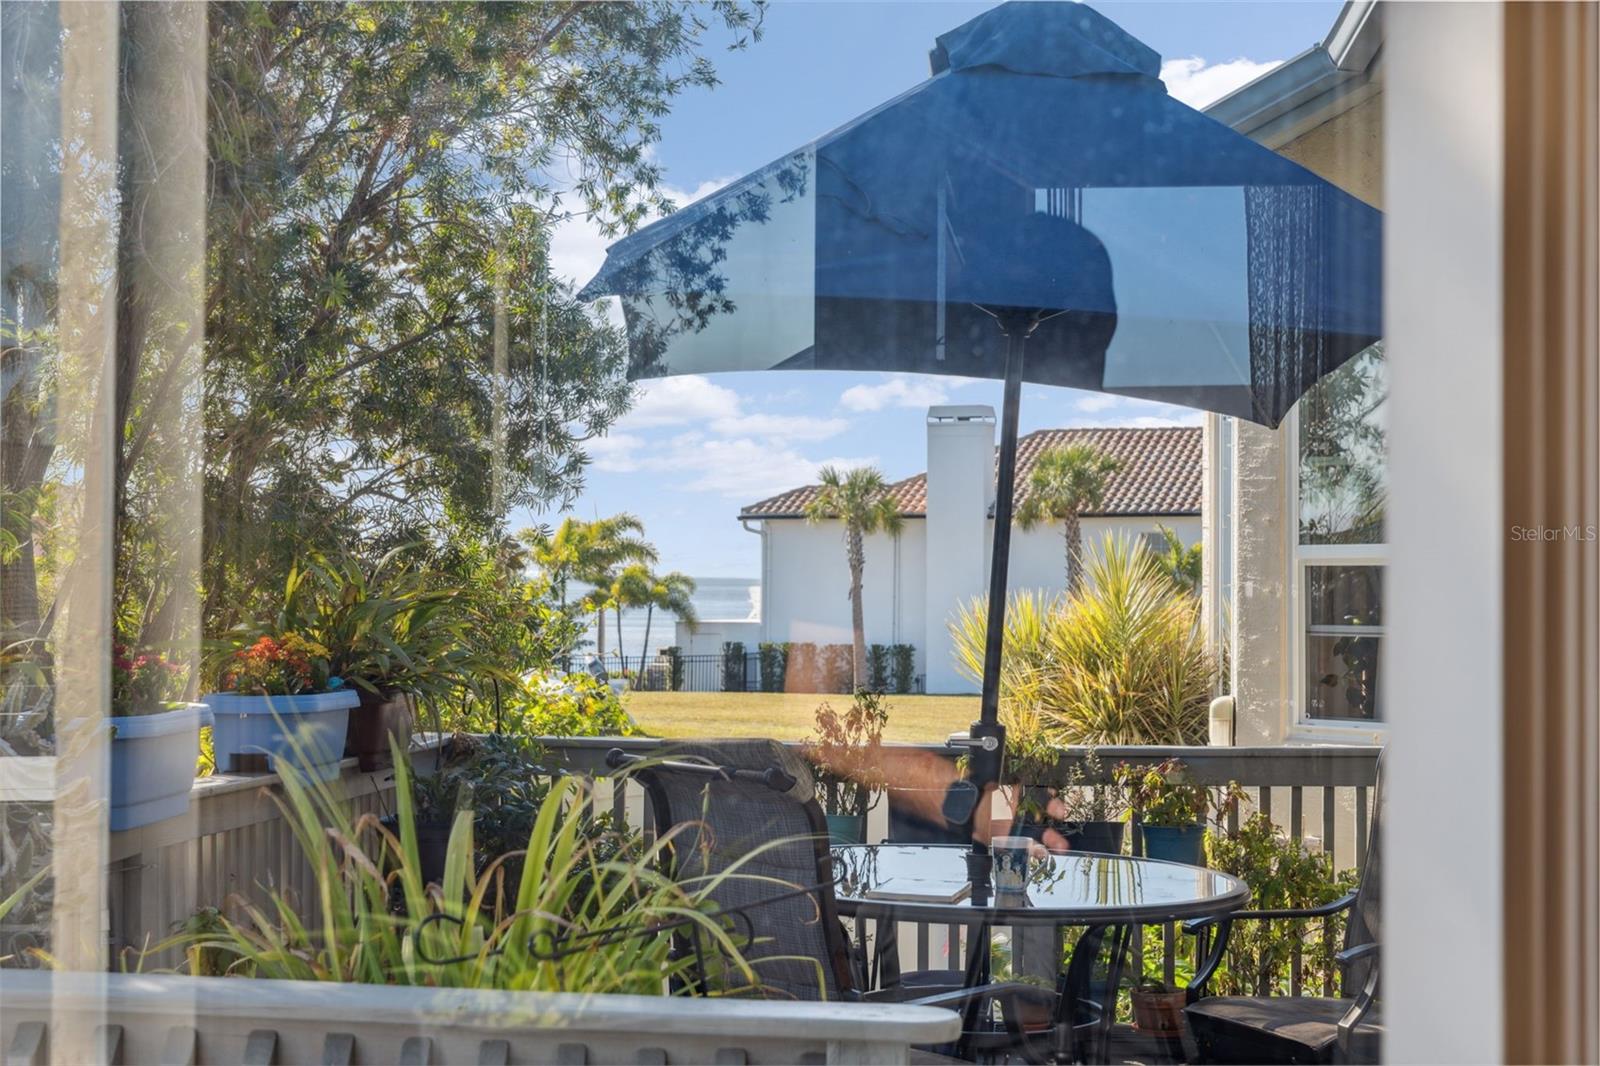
(1194, 925)
(1363, 1001)
(1360, 951)
(959, 997)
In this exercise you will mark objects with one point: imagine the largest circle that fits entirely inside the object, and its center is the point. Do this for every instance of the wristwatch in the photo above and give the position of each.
(959, 801)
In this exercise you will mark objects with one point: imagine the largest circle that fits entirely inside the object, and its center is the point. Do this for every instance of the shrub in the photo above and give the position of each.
(569, 705)
(674, 656)
(838, 668)
(774, 658)
(905, 667)
(1281, 875)
(802, 669)
(1122, 662)
(733, 666)
(878, 667)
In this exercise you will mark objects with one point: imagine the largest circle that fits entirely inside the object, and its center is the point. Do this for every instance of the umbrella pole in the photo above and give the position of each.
(987, 737)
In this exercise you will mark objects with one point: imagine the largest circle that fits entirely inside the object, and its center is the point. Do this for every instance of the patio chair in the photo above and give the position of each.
(749, 806)
(1300, 1029)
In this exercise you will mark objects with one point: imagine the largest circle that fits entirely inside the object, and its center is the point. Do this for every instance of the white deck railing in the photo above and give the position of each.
(133, 1018)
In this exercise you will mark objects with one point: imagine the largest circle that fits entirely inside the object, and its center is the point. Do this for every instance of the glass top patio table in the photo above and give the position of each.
(1076, 888)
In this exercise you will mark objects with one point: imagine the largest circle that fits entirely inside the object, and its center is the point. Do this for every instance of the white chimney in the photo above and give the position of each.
(960, 490)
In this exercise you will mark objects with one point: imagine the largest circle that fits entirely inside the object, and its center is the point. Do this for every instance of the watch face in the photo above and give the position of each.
(959, 800)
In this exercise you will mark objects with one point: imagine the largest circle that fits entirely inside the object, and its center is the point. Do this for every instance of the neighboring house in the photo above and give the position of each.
(915, 581)
(1294, 517)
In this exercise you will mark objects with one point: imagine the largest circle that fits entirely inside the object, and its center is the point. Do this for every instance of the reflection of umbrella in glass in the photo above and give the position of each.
(1039, 191)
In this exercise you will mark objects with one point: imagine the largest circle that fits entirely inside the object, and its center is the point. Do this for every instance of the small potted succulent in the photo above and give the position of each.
(1170, 810)
(155, 738)
(846, 750)
(278, 695)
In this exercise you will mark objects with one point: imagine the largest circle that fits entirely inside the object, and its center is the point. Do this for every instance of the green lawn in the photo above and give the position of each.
(787, 715)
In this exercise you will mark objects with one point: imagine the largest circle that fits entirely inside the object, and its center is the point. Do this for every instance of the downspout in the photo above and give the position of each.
(760, 531)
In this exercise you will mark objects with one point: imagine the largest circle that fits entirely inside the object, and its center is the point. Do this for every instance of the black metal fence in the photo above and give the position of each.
(731, 671)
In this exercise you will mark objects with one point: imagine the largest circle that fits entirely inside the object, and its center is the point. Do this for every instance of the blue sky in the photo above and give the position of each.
(695, 448)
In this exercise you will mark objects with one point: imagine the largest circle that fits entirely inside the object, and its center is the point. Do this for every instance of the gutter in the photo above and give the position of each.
(1305, 91)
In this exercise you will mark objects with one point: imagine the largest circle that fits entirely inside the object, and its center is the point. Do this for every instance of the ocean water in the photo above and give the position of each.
(715, 599)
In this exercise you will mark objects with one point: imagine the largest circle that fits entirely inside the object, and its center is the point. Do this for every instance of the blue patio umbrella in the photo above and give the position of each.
(1039, 209)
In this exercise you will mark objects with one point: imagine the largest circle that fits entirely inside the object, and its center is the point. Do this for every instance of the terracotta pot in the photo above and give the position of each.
(1159, 1013)
(380, 716)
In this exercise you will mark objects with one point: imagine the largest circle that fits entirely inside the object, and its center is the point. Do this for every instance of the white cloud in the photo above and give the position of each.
(895, 392)
(1198, 83)
(616, 453)
(1097, 401)
(744, 469)
(784, 427)
(687, 400)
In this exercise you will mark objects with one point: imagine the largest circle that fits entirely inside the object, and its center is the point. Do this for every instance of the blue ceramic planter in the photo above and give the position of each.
(253, 729)
(846, 829)
(1176, 843)
(153, 758)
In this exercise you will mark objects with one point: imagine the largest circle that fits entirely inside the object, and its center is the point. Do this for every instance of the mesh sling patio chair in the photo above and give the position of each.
(748, 806)
(1300, 1029)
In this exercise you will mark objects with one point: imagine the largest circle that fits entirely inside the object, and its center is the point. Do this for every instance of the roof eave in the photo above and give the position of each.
(1312, 87)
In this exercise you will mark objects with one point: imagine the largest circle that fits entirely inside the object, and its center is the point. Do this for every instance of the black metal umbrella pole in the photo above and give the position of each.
(986, 740)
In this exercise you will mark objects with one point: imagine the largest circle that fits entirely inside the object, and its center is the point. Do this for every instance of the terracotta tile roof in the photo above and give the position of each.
(1160, 474)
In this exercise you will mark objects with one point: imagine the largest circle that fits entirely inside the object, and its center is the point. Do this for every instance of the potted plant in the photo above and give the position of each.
(1096, 809)
(278, 697)
(1158, 1007)
(1170, 810)
(391, 632)
(155, 738)
(846, 751)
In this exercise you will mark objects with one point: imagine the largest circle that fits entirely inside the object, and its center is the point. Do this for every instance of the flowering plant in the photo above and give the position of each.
(145, 682)
(280, 666)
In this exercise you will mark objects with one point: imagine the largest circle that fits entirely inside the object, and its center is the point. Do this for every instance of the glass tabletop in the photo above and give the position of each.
(1076, 888)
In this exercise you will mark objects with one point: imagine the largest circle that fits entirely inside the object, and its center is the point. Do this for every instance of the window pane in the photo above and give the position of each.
(1344, 616)
(1343, 474)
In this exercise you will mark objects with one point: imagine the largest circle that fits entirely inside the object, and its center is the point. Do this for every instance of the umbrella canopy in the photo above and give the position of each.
(1040, 181)
(1041, 166)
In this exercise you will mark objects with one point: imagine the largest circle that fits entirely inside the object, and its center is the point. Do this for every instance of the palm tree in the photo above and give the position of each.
(592, 553)
(1065, 482)
(860, 499)
(672, 591)
(1180, 561)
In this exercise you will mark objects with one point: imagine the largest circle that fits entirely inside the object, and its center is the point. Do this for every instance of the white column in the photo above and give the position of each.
(960, 486)
(1442, 689)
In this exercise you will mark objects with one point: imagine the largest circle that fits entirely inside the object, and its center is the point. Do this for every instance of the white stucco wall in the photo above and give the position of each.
(1039, 555)
(807, 581)
(806, 594)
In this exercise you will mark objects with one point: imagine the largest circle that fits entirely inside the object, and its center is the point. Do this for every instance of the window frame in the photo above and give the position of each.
(1301, 556)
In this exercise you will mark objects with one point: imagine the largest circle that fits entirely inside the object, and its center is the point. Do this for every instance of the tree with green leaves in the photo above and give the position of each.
(858, 498)
(1181, 561)
(594, 553)
(387, 342)
(1066, 481)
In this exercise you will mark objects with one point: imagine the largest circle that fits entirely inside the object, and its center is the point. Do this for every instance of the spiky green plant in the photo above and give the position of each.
(377, 921)
(1121, 662)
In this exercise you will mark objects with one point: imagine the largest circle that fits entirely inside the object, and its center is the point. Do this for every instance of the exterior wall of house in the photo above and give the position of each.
(1039, 555)
(807, 592)
(1346, 150)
